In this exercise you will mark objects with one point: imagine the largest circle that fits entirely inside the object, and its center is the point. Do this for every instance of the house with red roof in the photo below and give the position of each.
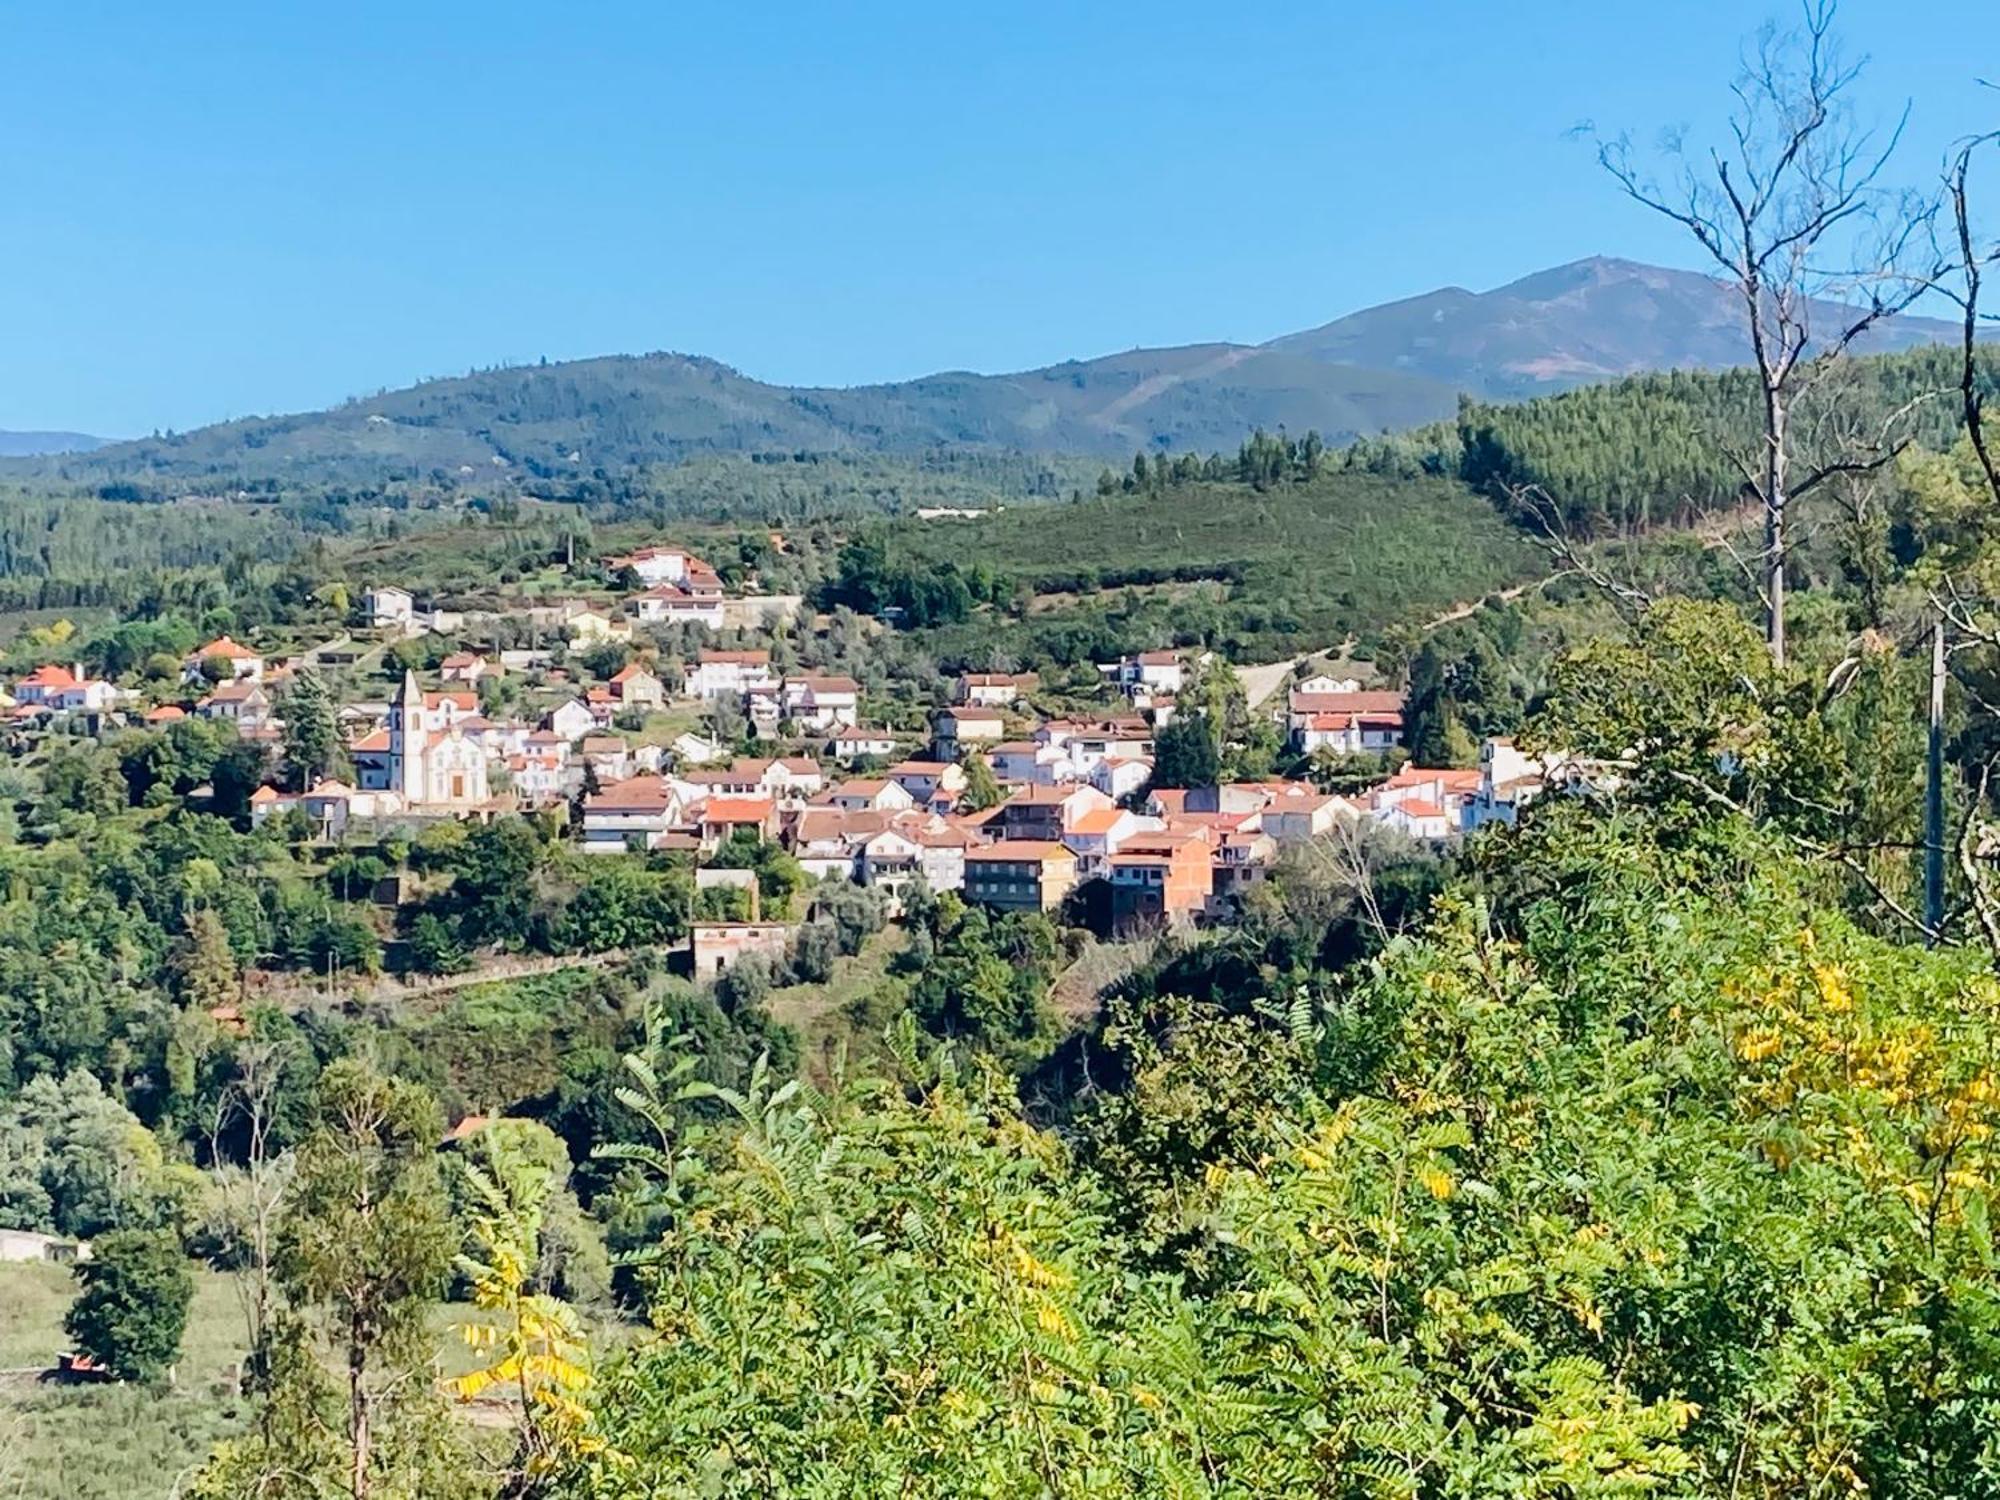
(242, 662)
(820, 703)
(1160, 878)
(467, 667)
(55, 688)
(641, 813)
(635, 687)
(992, 689)
(722, 818)
(1345, 723)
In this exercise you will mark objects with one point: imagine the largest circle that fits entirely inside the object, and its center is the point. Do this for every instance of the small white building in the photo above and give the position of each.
(821, 703)
(718, 673)
(571, 720)
(1345, 723)
(850, 743)
(1148, 673)
(389, 608)
(240, 663)
(642, 813)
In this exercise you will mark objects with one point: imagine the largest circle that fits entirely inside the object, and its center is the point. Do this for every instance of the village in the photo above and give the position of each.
(1015, 799)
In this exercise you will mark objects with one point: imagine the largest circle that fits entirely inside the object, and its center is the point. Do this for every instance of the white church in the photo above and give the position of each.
(421, 757)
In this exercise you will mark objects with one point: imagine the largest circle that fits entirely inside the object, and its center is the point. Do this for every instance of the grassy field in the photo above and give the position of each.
(839, 1013)
(1302, 567)
(122, 1442)
(86, 1442)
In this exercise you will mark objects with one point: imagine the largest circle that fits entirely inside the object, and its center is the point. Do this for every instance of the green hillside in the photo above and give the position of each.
(1260, 574)
(1655, 449)
(573, 420)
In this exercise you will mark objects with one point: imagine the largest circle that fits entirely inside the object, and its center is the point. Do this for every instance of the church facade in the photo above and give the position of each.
(422, 757)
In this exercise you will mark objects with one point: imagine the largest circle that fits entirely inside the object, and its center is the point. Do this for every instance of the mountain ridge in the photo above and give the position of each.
(1396, 365)
(36, 444)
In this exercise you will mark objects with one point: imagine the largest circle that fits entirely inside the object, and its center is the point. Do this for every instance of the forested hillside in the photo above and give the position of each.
(1664, 449)
(561, 422)
(1381, 369)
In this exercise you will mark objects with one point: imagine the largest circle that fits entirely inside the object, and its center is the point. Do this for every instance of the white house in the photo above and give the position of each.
(1118, 776)
(642, 813)
(929, 781)
(652, 565)
(1097, 833)
(1509, 779)
(717, 673)
(1303, 818)
(243, 703)
(586, 627)
(867, 795)
(693, 750)
(572, 720)
(1027, 761)
(1322, 682)
(389, 608)
(242, 664)
(1148, 673)
(466, 667)
(992, 689)
(1085, 742)
(60, 690)
(821, 703)
(850, 743)
(954, 729)
(329, 806)
(1346, 723)
(679, 604)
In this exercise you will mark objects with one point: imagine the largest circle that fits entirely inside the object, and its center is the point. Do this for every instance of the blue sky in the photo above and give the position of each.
(209, 210)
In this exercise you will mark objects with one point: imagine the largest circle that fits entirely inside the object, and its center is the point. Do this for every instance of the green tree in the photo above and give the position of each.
(982, 790)
(205, 967)
(132, 1308)
(1185, 753)
(367, 1241)
(434, 945)
(312, 738)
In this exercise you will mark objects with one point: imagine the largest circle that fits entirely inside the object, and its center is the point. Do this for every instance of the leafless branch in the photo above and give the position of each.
(1555, 537)
(1799, 185)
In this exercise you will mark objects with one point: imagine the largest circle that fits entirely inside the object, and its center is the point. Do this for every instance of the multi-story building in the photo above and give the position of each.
(1019, 875)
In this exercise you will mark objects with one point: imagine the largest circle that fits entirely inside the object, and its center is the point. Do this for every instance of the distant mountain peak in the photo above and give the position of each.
(1383, 368)
(1591, 319)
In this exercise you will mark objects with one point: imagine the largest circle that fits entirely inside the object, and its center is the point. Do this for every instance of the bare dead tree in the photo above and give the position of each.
(1963, 623)
(1972, 260)
(253, 1193)
(1568, 555)
(1793, 216)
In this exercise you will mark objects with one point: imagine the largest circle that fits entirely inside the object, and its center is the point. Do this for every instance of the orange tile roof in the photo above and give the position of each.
(1346, 703)
(640, 791)
(737, 810)
(1036, 851)
(1097, 820)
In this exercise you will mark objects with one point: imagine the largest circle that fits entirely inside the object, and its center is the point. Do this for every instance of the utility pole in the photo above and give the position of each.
(1934, 795)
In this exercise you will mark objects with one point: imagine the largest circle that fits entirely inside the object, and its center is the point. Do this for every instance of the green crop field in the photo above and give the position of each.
(1303, 566)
